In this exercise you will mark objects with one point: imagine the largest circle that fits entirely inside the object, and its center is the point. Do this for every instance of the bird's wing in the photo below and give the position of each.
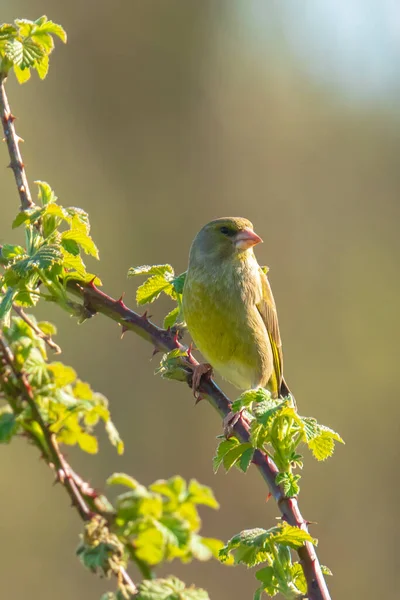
(267, 310)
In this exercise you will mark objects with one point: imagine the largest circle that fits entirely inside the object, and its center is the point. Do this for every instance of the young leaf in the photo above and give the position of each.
(169, 589)
(114, 437)
(152, 288)
(123, 479)
(83, 240)
(235, 454)
(323, 445)
(161, 270)
(289, 483)
(171, 317)
(8, 424)
(201, 494)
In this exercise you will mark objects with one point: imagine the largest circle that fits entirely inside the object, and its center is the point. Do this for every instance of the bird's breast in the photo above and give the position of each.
(223, 320)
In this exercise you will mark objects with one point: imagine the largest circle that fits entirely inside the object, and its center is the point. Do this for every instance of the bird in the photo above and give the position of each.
(229, 308)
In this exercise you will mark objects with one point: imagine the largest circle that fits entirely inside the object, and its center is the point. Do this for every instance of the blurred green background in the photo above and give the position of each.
(158, 116)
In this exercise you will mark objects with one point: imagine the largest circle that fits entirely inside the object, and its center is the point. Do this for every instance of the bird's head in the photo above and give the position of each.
(224, 238)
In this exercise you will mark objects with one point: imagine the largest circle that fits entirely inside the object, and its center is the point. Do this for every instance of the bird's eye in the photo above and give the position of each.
(226, 231)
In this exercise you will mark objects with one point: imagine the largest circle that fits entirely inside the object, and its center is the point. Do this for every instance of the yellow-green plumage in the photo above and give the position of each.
(229, 308)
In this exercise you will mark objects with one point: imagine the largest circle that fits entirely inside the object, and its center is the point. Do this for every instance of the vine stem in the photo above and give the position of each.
(97, 301)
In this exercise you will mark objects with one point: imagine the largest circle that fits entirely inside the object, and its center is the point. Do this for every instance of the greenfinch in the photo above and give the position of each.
(229, 308)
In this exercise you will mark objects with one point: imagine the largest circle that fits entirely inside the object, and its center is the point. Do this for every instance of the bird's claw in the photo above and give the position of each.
(199, 371)
(231, 419)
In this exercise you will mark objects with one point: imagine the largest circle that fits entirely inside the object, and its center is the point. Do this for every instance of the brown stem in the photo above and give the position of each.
(46, 338)
(97, 301)
(12, 140)
(65, 474)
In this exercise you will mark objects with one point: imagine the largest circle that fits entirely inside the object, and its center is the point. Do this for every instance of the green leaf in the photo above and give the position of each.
(323, 445)
(169, 589)
(152, 288)
(175, 530)
(245, 459)
(114, 437)
(9, 425)
(62, 374)
(43, 259)
(248, 397)
(172, 365)
(23, 53)
(70, 246)
(7, 32)
(292, 536)
(254, 546)
(233, 455)
(83, 240)
(174, 488)
(297, 575)
(269, 582)
(179, 283)
(47, 328)
(88, 443)
(31, 215)
(46, 194)
(123, 479)
(22, 75)
(201, 494)
(51, 28)
(6, 304)
(171, 318)
(10, 251)
(223, 448)
(161, 270)
(289, 483)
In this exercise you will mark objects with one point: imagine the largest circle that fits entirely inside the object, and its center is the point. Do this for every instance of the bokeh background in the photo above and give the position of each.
(158, 116)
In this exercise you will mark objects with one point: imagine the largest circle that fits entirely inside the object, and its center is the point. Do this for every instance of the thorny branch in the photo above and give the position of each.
(96, 301)
(74, 485)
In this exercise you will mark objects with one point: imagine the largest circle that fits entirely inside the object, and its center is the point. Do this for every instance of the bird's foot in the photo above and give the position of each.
(232, 418)
(199, 371)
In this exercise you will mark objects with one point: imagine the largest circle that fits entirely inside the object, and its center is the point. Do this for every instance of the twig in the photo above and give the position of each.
(65, 474)
(96, 301)
(12, 139)
(46, 338)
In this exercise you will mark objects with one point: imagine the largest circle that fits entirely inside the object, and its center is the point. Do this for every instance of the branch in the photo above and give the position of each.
(65, 475)
(12, 140)
(96, 301)
(46, 338)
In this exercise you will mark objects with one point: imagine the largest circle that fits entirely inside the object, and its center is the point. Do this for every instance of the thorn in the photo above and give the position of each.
(199, 398)
(11, 118)
(15, 165)
(155, 351)
(124, 329)
(22, 189)
(284, 518)
(176, 338)
(189, 350)
(91, 282)
(120, 300)
(19, 139)
(269, 496)
(311, 523)
(145, 316)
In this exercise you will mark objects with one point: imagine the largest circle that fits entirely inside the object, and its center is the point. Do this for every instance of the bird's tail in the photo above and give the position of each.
(284, 392)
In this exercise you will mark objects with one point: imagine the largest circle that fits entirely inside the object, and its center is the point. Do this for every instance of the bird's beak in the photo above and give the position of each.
(246, 238)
